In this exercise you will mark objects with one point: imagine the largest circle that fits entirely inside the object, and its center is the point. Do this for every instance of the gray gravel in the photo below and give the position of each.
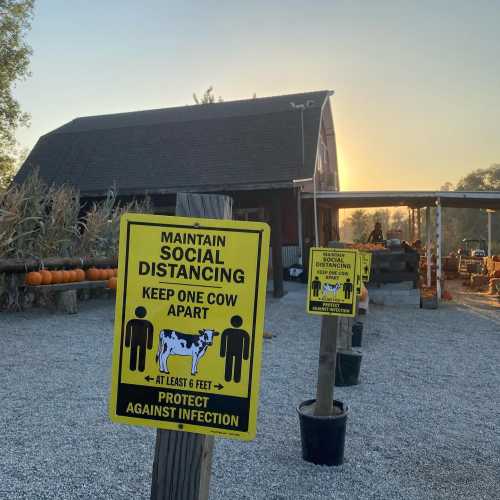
(424, 422)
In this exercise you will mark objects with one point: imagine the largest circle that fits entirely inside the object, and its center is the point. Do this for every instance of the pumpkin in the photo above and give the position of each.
(103, 274)
(66, 276)
(111, 273)
(46, 277)
(72, 275)
(92, 274)
(111, 283)
(80, 274)
(115, 272)
(34, 278)
(57, 276)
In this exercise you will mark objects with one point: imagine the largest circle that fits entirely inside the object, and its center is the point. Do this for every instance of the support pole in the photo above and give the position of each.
(419, 224)
(428, 244)
(438, 249)
(277, 244)
(183, 460)
(409, 223)
(299, 227)
(489, 212)
(315, 205)
(326, 366)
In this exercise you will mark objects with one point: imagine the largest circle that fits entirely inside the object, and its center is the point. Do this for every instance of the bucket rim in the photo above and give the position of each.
(307, 402)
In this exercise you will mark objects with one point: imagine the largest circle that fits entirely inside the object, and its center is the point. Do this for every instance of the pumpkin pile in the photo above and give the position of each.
(44, 277)
(367, 247)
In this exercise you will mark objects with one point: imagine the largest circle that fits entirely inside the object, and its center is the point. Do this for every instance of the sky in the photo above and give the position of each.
(417, 83)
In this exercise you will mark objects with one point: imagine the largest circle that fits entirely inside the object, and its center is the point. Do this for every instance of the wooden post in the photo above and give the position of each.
(183, 460)
(326, 366)
(276, 244)
(428, 244)
(439, 233)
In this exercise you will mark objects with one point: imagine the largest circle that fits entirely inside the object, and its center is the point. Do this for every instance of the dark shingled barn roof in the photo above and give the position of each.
(223, 146)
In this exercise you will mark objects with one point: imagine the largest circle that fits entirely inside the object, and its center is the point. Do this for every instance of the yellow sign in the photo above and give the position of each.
(332, 281)
(366, 266)
(189, 324)
(358, 275)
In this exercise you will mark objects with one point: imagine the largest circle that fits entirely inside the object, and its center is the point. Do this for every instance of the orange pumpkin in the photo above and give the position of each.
(66, 276)
(72, 275)
(34, 278)
(103, 274)
(111, 273)
(115, 272)
(111, 283)
(46, 277)
(80, 274)
(57, 276)
(92, 274)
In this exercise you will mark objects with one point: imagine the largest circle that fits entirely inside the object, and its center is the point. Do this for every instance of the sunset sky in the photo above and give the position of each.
(417, 83)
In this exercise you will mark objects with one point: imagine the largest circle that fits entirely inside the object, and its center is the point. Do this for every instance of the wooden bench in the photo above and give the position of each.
(66, 299)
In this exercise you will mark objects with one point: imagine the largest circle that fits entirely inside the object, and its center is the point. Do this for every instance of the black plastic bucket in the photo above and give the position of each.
(323, 438)
(347, 368)
(357, 334)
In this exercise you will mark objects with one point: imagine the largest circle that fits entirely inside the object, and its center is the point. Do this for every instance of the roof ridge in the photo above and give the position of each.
(194, 105)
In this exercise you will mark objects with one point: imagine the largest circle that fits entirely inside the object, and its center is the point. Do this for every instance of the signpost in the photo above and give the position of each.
(331, 293)
(189, 323)
(188, 335)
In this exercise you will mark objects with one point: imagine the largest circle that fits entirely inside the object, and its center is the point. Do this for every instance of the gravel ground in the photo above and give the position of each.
(424, 422)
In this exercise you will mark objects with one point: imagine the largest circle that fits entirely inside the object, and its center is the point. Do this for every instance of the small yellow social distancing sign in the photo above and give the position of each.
(189, 324)
(332, 281)
(366, 266)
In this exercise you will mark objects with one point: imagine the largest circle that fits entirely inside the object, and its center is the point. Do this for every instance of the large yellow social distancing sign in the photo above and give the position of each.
(332, 281)
(189, 324)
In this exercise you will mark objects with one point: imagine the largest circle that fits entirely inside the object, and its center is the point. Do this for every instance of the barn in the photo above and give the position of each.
(269, 154)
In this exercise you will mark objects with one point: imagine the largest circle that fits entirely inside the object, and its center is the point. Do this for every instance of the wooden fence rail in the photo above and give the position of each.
(26, 265)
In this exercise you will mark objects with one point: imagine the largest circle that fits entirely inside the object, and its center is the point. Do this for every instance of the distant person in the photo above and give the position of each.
(376, 235)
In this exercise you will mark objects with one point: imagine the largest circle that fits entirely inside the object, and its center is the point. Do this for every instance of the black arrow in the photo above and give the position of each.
(148, 378)
(218, 386)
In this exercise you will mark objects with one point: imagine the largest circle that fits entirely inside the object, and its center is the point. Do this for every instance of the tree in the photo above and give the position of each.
(383, 216)
(360, 224)
(15, 21)
(468, 223)
(208, 97)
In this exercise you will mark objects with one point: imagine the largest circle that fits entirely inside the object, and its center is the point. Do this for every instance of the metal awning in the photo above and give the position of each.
(413, 199)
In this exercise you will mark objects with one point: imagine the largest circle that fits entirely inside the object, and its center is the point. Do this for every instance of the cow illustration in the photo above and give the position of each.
(183, 344)
(331, 288)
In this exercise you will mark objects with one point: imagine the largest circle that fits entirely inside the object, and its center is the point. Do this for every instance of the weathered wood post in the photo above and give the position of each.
(183, 460)
(326, 366)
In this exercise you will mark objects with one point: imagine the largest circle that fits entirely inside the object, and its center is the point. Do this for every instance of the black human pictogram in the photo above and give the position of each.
(366, 269)
(347, 287)
(138, 336)
(234, 346)
(316, 286)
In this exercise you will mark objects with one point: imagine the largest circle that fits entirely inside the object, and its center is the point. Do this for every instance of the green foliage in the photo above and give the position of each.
(7, 170)
(469, 223)
(15, 21)
(360, 224)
